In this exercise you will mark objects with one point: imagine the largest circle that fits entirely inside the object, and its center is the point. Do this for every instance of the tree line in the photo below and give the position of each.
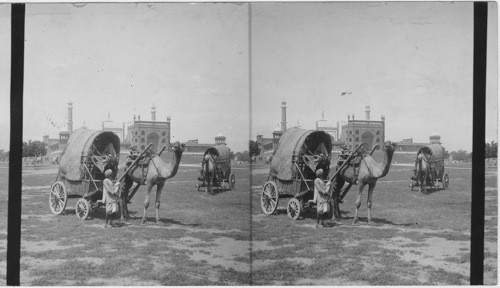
(34, 149)
(460, 155)
(490, 151)
(37, 148)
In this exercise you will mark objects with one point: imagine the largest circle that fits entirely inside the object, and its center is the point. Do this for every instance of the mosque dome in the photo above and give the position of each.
(220, 138)
(435, 138)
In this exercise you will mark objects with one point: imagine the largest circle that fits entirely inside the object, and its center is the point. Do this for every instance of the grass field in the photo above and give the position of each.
(225, 239)
(204, 239)
(416, 239)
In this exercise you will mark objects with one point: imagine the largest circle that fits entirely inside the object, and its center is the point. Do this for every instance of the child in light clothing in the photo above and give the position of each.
(110, 196)
(321, 197)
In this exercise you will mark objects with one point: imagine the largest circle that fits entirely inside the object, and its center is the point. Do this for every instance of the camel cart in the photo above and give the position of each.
(429, 168)
(81, 170)
(294, 162)
(221, 175)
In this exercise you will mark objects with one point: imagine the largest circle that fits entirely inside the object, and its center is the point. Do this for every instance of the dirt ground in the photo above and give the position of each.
(416, 239)
(203, 240)
(225, 239)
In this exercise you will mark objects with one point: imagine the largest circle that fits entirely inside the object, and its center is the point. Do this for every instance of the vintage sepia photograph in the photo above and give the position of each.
(267, 144)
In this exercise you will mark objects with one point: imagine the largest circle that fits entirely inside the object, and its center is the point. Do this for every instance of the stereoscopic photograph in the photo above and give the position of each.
(291, 143)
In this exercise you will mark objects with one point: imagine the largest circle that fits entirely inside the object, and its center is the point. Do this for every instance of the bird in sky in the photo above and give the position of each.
(345, 93)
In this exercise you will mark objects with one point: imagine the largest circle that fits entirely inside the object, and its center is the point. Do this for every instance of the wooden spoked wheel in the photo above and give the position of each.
(232, 181)
(446, 181)
(58, 198)
(82, 209)
(294, 209)
(269, 198)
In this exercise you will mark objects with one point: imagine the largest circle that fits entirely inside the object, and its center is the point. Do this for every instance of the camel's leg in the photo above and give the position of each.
(371, 187)
(125, 187)
(337, 185)
(361, 186)
(149, 187)
(159, 188)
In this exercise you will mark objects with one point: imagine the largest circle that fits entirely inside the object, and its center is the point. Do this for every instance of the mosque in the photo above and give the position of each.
(351, 133)
(267, 145)
(371, 132)
(140, 134)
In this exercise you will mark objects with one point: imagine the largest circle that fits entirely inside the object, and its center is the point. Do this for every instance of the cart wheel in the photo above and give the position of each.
(232, 181)
(82, 209)
(269, 198)
(294, 209)
(446, 181)
(58, 198)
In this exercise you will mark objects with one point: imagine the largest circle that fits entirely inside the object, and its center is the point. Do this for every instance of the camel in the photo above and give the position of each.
(369, 172)
(154, 174)
(422, 170)
(209, 170)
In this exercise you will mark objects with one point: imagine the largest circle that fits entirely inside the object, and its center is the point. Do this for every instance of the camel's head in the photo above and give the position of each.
(178, 147)
(390, 147)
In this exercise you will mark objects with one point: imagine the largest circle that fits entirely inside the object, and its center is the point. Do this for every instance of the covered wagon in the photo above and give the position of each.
(87, 155)
(298, 155)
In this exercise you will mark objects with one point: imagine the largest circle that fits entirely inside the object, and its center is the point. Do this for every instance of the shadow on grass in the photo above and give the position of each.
(430, 191)
(170, 221)
(216, 191)
(379, 221)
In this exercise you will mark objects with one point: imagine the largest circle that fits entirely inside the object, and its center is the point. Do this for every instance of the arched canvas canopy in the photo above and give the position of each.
(436, 151)
(296, 142)
(85, 142)
(222, 152)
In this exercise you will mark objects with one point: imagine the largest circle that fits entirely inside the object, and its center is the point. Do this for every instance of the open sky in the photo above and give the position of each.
(5, 76)
(190, 61)
(411, 62)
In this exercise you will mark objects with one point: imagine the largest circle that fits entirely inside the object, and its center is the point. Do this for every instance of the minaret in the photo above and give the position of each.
(338, 132)
(367, 111)
(283, 116)
(168, 131)
(383, 128)
(153, 113)
(70, 117)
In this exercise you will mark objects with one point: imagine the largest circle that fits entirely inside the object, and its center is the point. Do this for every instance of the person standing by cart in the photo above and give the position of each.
(110, 197)
(321, 198)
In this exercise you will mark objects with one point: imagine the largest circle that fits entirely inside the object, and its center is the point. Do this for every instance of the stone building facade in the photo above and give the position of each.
(142, 133)
(366, 131)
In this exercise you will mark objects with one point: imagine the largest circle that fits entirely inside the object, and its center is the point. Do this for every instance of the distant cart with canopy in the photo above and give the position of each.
(433, 155)
(221, 177)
